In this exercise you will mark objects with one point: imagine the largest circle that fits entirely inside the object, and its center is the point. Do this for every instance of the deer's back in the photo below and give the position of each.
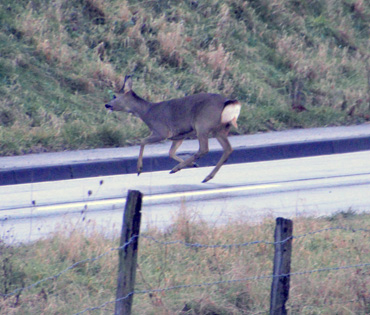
(187, 106)
(182, 114)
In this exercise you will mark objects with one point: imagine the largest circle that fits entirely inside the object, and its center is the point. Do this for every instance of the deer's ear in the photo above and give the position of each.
(127, 85)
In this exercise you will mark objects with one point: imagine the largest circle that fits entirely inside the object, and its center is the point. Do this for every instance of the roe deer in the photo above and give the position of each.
(200, 115)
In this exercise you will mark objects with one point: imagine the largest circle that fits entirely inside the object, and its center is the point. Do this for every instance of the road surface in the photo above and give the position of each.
(311, 186)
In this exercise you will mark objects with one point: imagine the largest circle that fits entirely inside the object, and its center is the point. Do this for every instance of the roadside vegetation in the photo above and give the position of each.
(293, 64)
(91, 284)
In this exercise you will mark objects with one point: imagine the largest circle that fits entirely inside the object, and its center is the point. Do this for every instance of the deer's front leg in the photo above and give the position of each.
(153, 138)
(175, 145)
(203, 149)
(140, 159)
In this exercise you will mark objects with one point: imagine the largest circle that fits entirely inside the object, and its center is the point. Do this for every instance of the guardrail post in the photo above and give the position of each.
(283, 253)
(128, 254)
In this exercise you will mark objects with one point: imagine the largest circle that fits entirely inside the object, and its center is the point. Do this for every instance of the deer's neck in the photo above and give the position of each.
(140, 106)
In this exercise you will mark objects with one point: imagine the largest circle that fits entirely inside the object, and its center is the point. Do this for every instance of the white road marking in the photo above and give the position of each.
(116, 203)
(209, 192)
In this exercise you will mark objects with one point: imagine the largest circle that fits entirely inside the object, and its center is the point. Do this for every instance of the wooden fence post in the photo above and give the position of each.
(128, 254)
(282, 258)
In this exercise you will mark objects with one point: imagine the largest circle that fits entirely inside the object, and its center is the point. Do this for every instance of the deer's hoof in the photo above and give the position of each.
(195, 165)
(174, 170)
(207, 179)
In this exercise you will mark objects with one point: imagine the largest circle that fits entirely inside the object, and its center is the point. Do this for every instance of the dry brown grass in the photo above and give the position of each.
(91, 284)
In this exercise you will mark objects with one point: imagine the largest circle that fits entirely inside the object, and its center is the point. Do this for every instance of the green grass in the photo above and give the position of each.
(91, 284)
(60, 61)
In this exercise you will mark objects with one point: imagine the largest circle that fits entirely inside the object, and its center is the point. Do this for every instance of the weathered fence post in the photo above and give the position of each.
(282, 257)
(128, 254)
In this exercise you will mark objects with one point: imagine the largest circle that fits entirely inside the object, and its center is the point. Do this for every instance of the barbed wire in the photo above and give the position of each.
(179, 242)
(56, 276)
(206, 284)
(252, 242)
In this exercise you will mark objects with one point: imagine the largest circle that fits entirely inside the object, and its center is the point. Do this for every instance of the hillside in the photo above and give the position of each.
(293, 64)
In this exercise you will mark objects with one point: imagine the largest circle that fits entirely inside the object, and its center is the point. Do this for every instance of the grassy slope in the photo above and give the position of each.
(61, 60)
(93, 283)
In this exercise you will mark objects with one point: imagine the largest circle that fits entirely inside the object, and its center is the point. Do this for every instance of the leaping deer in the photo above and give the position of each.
(200, 114)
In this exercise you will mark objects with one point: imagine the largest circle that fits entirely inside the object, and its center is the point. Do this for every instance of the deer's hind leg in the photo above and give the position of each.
(226, 146)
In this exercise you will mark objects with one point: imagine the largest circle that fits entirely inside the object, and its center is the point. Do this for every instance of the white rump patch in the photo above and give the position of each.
(231, 113)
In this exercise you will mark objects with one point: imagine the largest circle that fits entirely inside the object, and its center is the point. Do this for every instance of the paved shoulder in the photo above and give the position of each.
(258, 147)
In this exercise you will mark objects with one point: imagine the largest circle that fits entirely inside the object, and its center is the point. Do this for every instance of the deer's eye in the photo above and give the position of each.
(114, 96)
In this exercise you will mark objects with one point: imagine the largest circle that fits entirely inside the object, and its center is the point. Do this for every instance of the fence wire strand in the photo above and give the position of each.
(227, 246)
(56, 276)
(206, 284)
(178, 242)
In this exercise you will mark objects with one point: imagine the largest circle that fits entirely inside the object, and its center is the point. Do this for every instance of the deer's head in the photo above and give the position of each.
(123, 100)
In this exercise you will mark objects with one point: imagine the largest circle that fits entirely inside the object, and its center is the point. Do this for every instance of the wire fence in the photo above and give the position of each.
(264, 277)
(222, 282)
(199, 246)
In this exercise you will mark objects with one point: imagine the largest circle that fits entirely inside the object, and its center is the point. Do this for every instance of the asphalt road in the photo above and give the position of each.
(318, 185)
